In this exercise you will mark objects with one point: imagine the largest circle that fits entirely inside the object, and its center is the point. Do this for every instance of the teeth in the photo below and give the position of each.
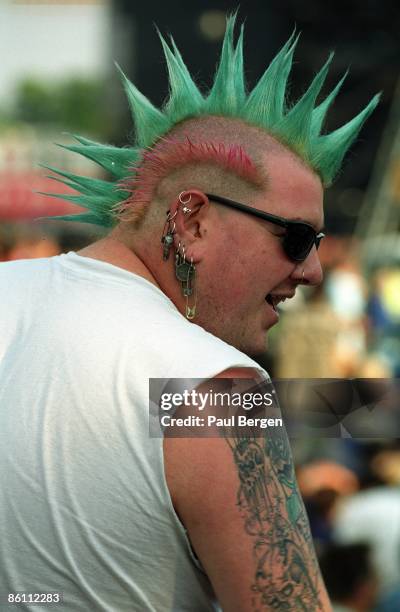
(274, 300)
(271, 300)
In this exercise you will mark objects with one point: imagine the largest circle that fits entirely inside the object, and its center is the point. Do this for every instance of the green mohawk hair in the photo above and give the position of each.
(298, 126)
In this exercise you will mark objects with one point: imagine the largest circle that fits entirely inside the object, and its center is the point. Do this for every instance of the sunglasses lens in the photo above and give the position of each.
(298, 241)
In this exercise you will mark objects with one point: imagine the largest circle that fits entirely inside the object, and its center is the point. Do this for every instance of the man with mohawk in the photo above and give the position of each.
(233, 184)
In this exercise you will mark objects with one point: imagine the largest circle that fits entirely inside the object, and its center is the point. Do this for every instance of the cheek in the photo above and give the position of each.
(240, 264)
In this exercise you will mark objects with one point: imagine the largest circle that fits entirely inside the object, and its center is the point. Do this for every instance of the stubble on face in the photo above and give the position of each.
(248, 261)
(240, 260)
(233, 283)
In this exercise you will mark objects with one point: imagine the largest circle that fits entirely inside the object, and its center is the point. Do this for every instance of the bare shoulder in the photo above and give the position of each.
(239, 501)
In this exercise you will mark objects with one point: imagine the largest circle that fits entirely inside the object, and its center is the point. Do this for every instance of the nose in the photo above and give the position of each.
(309, 271)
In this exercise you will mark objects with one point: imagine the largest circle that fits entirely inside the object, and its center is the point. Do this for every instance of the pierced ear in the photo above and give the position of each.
(184, 199)
(191, 205)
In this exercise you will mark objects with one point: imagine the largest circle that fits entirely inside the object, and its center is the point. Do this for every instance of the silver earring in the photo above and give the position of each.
(182, 201)
(167, 238)
(185, 272)
(302, 276)
(190, 289)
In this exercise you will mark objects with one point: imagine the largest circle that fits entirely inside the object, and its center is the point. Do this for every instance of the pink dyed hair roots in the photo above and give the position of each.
(168, 155)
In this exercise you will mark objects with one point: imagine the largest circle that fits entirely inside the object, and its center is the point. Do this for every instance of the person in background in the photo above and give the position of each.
(380, 497)
(349, 577)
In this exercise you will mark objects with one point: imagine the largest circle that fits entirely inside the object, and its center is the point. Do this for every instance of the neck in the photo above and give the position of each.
(114, 251)
(118, 249)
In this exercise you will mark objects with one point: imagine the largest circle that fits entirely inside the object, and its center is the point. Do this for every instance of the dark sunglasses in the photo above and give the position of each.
(299, 238)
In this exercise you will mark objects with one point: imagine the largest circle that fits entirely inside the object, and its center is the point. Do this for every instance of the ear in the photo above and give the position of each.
(192, 208)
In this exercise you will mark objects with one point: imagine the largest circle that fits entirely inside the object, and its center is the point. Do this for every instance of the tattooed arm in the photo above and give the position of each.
(239, 501)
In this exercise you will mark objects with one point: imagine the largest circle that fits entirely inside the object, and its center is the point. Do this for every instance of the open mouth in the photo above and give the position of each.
(270, 300)
(274, 300)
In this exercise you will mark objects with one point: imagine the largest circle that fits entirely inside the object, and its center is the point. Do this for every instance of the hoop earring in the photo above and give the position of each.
(182, 201)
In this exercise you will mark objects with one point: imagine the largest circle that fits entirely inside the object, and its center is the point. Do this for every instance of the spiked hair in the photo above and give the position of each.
(298, 127)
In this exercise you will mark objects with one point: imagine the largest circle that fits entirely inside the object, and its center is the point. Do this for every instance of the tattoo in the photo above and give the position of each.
(287, 574)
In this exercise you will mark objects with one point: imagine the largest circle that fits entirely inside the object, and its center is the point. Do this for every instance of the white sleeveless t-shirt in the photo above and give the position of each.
(84, 505)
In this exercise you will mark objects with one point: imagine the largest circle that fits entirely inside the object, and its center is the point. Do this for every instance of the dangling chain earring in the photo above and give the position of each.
(185, 272)
(167, 238)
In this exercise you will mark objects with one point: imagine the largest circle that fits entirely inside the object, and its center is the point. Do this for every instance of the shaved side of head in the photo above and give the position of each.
(213, 154)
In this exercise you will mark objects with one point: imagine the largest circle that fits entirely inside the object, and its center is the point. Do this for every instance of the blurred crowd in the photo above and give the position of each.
(349, 327)
(25, 242)
(351, 489)
(33, 239)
